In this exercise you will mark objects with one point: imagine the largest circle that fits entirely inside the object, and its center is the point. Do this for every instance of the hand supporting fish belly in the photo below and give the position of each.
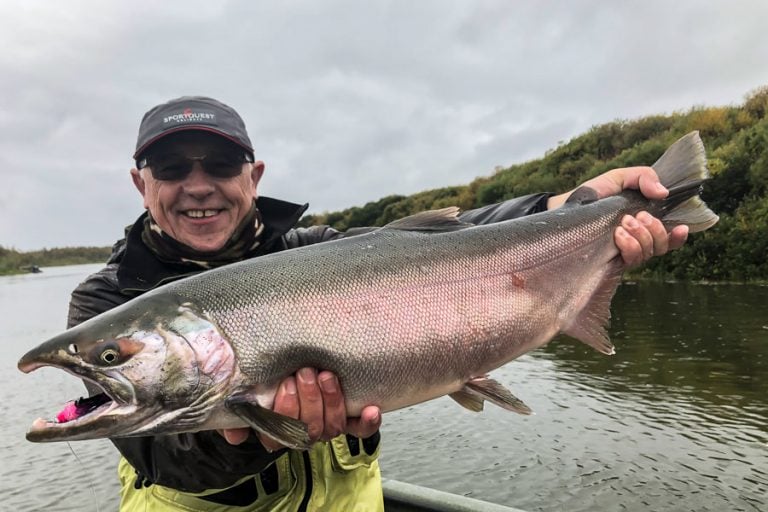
(423, 307)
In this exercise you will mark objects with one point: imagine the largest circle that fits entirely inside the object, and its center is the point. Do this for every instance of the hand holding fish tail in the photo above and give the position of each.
(640, 237)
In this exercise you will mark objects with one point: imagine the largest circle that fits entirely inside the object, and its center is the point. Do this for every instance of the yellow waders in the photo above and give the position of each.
(339, 481)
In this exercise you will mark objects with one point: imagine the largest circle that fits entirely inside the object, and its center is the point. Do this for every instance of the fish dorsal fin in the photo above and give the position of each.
(590, 326)
(445, 219)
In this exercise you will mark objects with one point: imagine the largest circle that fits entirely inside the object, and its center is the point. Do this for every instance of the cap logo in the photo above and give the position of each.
(190, 116)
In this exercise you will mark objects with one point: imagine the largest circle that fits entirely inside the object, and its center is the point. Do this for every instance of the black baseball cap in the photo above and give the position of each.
(191, 113)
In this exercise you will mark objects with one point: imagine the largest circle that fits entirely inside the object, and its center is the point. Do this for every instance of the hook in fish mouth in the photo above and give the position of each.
(83, 406)
(78, 416)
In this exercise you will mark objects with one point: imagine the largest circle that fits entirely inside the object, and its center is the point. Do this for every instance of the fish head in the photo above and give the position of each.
(152, 366)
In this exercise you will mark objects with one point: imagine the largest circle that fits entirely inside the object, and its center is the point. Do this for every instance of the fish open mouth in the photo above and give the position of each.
(99, 415)
(76, 413)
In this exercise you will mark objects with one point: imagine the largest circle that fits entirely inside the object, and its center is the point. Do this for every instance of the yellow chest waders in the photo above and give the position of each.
(341, 475)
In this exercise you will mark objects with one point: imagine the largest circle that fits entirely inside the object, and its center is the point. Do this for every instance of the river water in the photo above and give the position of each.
(676, 420)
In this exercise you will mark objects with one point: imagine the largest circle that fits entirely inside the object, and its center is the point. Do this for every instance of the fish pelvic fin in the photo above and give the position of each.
(475, 391)
(591, 324)
(682, 169)
(468, 400)
(445, 219)
(286, 431)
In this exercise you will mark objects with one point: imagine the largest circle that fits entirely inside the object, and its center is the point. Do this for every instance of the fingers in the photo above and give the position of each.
(644, 179)
(643, 236)
(335, 411)
(677, 237)
(614, 181)
(317, 400)
(367, 424)
(321, 403)
(310, 402)
(235, 435)
(287, 404)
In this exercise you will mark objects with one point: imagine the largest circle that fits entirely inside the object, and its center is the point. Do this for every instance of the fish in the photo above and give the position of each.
(423, 307)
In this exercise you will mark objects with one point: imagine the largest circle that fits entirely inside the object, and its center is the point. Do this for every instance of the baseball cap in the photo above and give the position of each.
(191, 113)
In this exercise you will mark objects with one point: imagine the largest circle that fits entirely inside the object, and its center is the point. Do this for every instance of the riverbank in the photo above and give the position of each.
(19, 262)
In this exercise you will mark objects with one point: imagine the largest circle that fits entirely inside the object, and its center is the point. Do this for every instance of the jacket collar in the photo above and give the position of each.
(140, 270)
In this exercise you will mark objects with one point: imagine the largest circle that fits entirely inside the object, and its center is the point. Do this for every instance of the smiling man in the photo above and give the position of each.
(196, 171)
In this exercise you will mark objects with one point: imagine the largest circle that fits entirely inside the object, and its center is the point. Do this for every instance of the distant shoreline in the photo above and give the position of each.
(13, 262)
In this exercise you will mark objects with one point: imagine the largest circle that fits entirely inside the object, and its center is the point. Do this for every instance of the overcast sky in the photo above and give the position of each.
(345, 101)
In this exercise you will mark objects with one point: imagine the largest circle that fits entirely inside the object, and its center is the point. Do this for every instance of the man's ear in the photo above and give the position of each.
(139, 183)
(257, 170)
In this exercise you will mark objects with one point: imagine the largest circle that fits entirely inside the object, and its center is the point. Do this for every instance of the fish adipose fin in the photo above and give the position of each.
(439, 221)
(474, 392)
(287, 431)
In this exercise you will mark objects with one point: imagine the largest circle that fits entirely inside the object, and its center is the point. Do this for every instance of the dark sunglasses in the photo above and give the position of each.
(173, 166)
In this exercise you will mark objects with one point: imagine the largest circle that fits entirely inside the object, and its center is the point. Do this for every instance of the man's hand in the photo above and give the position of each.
(642, 236)
(317, 400)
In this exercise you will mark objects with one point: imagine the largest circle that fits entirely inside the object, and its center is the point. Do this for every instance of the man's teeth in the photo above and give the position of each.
(201, 213)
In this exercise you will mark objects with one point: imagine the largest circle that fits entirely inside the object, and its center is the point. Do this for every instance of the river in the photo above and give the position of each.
(676, 420)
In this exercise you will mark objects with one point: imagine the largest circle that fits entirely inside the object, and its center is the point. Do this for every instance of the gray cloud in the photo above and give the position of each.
(346, 101)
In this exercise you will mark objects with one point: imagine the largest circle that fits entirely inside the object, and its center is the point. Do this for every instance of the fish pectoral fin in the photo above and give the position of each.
(468, 399)
(491, 390)
(286, 431)
(591, 323)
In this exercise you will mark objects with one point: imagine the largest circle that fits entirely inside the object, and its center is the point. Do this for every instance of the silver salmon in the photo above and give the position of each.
(423, 307)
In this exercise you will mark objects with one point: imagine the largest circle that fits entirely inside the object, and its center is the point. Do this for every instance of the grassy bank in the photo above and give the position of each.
(18, 262)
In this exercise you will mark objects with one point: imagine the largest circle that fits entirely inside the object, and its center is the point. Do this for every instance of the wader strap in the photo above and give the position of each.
(246, 493)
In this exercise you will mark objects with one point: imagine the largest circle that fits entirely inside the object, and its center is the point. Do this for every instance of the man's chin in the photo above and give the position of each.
(204, 237)
(205, 242)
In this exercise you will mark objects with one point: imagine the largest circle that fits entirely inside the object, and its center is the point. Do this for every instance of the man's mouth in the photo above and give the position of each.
(200, 214)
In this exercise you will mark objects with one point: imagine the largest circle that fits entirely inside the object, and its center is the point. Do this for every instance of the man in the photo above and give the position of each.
(195, 169)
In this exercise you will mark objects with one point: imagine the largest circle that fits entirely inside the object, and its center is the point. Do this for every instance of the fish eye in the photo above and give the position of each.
(110, 356)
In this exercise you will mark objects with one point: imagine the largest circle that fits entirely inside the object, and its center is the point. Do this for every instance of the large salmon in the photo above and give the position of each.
(423, 307)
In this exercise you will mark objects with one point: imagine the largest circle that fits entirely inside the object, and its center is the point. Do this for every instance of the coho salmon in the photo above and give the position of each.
(423, 307)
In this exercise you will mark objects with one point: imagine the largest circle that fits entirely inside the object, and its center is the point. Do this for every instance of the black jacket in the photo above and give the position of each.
(204, 460)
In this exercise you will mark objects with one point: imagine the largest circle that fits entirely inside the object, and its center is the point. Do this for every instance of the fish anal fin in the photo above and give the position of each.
(491, 390)
(287, 431)
(590, 326)
(468, 399)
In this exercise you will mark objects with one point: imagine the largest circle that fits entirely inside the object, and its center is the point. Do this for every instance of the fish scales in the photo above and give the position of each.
(382, 316)
(423, 307)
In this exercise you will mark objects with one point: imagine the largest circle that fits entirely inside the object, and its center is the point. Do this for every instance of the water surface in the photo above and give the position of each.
(676, 420)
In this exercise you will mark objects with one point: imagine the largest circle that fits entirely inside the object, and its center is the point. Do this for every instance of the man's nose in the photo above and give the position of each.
(198, 183)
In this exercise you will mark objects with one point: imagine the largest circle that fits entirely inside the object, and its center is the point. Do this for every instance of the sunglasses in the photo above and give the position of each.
(173, 166)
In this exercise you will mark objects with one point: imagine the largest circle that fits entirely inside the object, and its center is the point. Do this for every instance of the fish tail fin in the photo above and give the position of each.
(682, 169)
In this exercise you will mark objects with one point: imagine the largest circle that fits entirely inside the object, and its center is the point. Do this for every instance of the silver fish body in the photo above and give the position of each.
(423, 307)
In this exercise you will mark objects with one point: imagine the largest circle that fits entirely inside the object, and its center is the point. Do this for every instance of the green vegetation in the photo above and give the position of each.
(737, 148)
(15, 262)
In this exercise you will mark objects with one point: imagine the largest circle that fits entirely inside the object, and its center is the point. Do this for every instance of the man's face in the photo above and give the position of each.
(199, 210)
